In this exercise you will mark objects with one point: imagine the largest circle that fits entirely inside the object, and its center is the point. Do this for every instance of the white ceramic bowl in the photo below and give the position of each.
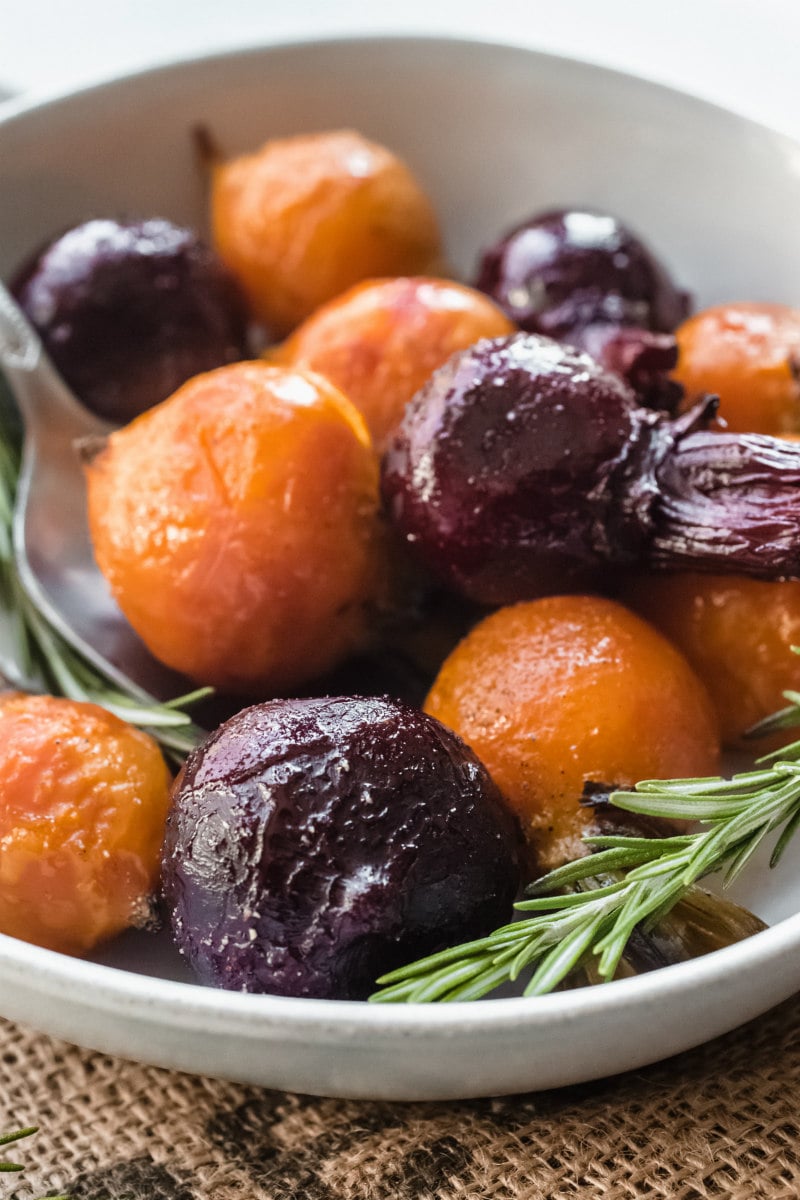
(494, 133)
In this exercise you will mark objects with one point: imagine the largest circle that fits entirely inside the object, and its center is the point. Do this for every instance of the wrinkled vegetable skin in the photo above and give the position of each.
(522, 468)
(509, 478)
(130, 310)
(314, 844)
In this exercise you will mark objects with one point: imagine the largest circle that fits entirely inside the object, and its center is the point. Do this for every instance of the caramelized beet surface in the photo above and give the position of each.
(584, 278)
(314, 844)
(568, 269)
(128, 311)
(522, 468)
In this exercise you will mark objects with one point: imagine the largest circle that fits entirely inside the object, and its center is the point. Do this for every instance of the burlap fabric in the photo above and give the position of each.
(721, 1121)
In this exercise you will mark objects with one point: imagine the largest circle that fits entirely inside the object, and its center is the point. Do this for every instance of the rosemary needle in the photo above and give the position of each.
(594, 924)
(565, 931)
(16, 1136)
(43, 658)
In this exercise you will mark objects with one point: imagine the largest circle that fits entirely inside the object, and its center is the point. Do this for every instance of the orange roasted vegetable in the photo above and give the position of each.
(238, 527)
(555, 692)
(305, 217)
(738, 635)
(83, 801)
(381, 340)
(749, 354)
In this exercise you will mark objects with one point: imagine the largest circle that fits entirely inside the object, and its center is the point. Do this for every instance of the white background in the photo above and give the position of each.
(744, 54)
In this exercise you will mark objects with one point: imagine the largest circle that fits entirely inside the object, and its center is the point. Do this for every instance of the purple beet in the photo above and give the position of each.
(523, 468)
(643, 359)
(314, 844)
(130, 311)
(583, 278)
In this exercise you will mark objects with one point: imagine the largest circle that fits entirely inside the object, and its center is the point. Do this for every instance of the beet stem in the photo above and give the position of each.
(728, 502)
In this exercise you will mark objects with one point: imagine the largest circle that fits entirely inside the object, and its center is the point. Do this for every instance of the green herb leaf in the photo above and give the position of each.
(586, 912)
(17, 1136)
(39, 656)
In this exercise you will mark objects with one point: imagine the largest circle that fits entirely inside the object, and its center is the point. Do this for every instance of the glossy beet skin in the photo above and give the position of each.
(523, 468)
(566, 270)
(583, 278)
(314, 844)
(129, 311)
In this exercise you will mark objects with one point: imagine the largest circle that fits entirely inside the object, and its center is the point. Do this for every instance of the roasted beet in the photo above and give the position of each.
(583, 278)
(643, 359)
(129, 311)
(315, 844)
(565, 270)
(523, 468)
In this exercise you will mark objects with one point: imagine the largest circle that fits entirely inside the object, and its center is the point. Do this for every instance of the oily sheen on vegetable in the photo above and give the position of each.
(237, 525)
(738, 634)
(551, 694)
(582, 277)
(523, 468)
(748, 355)
(381, 340)
(84, 799)
(303, 218)
(564, 270)
(314, 844)
(129, 310)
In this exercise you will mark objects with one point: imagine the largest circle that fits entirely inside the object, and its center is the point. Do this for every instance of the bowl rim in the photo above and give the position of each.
(204, 1008)
(20, 105)
(181, 1004)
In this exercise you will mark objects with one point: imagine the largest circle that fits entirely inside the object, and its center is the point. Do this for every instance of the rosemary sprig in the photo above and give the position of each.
(42, 658)
(7, 1138)
(570, 928)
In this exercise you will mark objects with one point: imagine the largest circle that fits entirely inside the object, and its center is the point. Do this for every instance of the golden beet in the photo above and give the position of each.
(380, 341)
(83, 803)
(554, 692)
(237, 526)
(305, 217)
(737, 633)
(749, 355)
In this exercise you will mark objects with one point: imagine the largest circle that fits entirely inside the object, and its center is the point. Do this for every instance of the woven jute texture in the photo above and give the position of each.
(721, 1121)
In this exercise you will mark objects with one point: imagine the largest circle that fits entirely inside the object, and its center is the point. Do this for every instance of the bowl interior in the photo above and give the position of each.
(495, 134)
